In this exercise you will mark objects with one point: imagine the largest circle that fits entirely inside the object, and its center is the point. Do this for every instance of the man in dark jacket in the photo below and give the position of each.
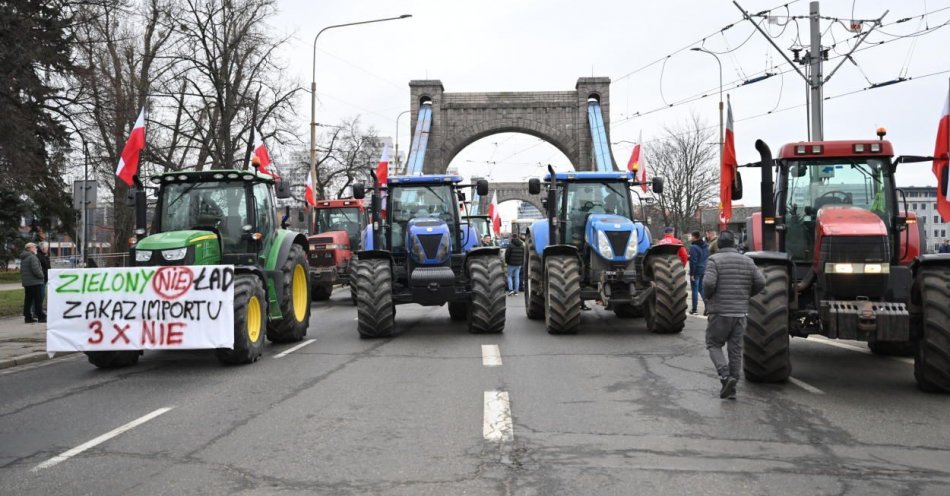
(731, 279)
(514, 257)
(698, 253)
(31, 275)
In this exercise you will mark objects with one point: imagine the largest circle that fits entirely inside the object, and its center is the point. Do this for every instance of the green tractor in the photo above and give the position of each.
(227, 217)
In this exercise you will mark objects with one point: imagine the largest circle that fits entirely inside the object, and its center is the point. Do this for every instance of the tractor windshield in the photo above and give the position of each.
(419, 202)
(581, 199)
(816, 184)
(339, 219)
(213, 204)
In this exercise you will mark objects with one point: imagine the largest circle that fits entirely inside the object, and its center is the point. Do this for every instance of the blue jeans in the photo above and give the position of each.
(514, 277)
(696, 284)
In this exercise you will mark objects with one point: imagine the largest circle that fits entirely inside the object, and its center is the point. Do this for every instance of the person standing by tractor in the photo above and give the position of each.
(698, 253)
(712, 240)
(31, 275)
(944, 247)
(514, 257)
(669, 239)
(728, 284)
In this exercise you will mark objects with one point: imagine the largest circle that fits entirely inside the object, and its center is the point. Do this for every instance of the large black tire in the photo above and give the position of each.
(627, 311)
(352, 285)
(321, 292)
(534, 273)
(932, 364)
(295, 304)
(893, 348)
(458, 310)
(250, 318)
(562, 294)
(765, 350)
(113, 359)
(668, 309)
(486, 312)
(375, 313)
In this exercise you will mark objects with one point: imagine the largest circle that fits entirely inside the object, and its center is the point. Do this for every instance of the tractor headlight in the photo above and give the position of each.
(417, 253)
(443, 252)
(873, 268)
(842, 268)
(631, 245)
(857, 268)
(176, 254)
(143, 255)
(603, 245)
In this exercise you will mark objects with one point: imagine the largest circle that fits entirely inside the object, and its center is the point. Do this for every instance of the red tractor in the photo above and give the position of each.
(842, 259)
(338, 226)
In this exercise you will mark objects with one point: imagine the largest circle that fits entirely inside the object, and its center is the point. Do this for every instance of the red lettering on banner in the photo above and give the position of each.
(161, 333)
(172, 282)
(174, 333)
(120, 333)
(96, 327)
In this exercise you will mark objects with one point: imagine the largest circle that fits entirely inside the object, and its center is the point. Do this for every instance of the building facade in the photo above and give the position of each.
(923, 201)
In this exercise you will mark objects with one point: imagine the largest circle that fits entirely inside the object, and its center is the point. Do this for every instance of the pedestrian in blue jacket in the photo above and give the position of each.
(698, 253)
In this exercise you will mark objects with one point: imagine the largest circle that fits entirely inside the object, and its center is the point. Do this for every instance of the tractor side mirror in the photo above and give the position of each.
(737, 187)
(481, 187)
(283, 190)
(658, 185)
(534, 186)
(799, 170)
(461, 195)
(359, 191)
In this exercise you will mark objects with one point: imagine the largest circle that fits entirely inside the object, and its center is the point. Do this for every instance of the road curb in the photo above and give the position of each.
(38, 356)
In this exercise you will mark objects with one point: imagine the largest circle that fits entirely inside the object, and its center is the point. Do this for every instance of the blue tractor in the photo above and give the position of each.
(589, 248)
(421, 251)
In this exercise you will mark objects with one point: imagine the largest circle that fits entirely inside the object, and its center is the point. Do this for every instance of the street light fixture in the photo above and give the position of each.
(313, 89)
(721, 140)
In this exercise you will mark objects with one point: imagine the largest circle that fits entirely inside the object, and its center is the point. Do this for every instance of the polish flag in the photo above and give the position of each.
(260, 157)
(941, 162)
(642, 165)
(129, 160)
(309, 194)
(493, 214)
(382, 175)
(633, 165)
(727, 170)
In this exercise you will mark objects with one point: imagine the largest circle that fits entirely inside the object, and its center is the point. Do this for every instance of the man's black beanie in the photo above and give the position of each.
(727, 239)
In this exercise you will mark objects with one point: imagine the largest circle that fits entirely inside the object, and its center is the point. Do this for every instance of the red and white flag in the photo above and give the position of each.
(633, 165)
(309, 194)
(941, 162)
(642, 164)
(129, 160)
(493, 214)
(382, 175)
(727, 171)
(261, 157)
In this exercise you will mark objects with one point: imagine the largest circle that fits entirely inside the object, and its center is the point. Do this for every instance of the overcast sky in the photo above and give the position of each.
(508, 45)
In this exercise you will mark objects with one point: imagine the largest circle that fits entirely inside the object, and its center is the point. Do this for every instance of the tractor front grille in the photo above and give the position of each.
(618, 241)
(430, 244)
(857, 249)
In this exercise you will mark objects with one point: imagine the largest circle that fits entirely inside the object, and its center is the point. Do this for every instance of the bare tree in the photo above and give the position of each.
(685, 157)
(348, 154)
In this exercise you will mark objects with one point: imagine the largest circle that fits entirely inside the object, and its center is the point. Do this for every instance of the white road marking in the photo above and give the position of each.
(295, 348)
(66, 455)
(846, 346)
(491, 355)
(497, 426)
(806, 386)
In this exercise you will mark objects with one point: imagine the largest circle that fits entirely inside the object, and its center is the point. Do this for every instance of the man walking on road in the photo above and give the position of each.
(31, 274)
(730, 281)
(698, 253)
(514, 257)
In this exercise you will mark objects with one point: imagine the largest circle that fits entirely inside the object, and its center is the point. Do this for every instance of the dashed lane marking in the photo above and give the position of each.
(497, 425)
(806, 386)
(491, 355)
(295, 348)
(66, 455)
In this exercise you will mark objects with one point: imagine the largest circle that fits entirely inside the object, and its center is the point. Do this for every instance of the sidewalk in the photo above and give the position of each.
(10, 286)
(21, 343)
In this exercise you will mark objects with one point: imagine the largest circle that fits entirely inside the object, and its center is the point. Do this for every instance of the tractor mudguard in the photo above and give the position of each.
(560, 250)
(279, 250)
(929, 260)
(255, 271)
(657, 249)
(767, 258)
(375, 255)
(481, 251)
(539, 235)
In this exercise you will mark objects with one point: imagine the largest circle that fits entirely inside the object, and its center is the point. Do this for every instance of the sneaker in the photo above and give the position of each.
(29, 321)
(692, 312)
(728, 388)
(516, 293)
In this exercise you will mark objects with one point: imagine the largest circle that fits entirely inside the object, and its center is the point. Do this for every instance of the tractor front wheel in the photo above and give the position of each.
(486, 312)
(375, 313)
(250, 317)
(562, 294)
(668, 308)
(932, 363)
(534, 272)
(765, 350)
(295, 303)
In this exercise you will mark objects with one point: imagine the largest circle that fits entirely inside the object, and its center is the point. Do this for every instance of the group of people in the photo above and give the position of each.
(34, 274)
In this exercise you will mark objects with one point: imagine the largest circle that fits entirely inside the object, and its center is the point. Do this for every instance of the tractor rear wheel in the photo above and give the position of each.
(113, 359)
(765, 350)
(668, 309)
(932, 363)
(352, 285)
(534, 272)
(321, 292)
(295, 304)
(375, 313)
(562, 294)
(458, 310)
(250, 317)
(486, 312)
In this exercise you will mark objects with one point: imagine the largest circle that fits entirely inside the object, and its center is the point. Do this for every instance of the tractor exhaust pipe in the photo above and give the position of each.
(553, 235)
(375, 209)
(768, 201)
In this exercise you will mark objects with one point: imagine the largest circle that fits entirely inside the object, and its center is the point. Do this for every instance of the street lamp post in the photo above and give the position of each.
(313, 91)
(721, 139)
(397, 138)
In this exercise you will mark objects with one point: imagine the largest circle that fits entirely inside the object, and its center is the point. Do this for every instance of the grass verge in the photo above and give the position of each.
(11, 303)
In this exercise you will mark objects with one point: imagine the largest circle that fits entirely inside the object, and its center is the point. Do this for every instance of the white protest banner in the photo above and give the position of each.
(141, 308)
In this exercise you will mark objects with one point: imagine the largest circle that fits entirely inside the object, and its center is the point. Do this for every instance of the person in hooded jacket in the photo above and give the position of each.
(698, 253)
(514, 257)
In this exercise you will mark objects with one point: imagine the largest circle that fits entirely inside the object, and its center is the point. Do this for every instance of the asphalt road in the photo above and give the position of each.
(612, 410)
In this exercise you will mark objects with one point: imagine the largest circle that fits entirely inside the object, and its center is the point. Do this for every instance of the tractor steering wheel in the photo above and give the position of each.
(833, 198)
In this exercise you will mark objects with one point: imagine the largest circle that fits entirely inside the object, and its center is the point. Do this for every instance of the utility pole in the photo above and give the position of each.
(814, 58)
